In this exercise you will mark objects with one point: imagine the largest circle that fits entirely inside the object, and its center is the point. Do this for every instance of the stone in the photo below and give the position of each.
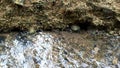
(19, 2)
(96, 49)
(84, 65)
(1, 48)
(52, 14)
(32, 30)
(119, 32)
(26, 3)
(115, 60)
(2, 40)
(75, 28)
(111, 32)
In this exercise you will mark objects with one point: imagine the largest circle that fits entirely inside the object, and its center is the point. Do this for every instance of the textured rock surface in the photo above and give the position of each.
(88, 49)
(52, 14)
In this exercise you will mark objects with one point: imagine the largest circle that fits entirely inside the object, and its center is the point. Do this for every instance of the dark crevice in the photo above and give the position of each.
(83, 24)
(17, 29)
(117, 24)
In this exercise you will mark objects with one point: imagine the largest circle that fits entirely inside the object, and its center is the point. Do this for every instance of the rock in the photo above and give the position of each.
(37, 65)
(116, 34)
(84, 65)
(115, 60)
(96, 49)
(32, 30)
(19, 2)
(26, 3)
(2, 40)
(75, 28)
(54, 14)
(119, 32)
(111, 32)
(1, 48)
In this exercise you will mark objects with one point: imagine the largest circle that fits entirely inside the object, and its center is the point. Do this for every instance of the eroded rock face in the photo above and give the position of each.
(90, 49)
(52, 14)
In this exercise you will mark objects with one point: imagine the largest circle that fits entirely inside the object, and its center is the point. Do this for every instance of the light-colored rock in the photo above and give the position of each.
(26, 3)
(111, 32)
(96, 49)
(115, 60)
(32, 30)
(19, 2)
(75, 28)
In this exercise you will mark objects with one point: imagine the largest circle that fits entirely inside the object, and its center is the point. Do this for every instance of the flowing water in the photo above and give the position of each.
(60, 50)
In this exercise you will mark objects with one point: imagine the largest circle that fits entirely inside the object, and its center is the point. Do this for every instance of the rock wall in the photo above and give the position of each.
(58, 14)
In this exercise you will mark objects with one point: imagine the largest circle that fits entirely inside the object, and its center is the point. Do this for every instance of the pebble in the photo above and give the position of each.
(115, 34)
(111, 32)
(2, 38)
(1, 48)
(96, 49)
(37, 66)
(26, 3)
(119, 32)
(84, 65)
(75, 28)
(32, 30)
(108, 34)
(19, 2)
(115, 60)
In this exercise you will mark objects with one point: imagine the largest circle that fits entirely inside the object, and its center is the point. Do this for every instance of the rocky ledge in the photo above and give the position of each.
(57, 14)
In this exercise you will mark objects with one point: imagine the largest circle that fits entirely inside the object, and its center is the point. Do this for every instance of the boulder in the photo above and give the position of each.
(58, 14)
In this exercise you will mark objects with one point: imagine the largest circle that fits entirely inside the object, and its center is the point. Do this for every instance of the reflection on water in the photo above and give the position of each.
(44, 50)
